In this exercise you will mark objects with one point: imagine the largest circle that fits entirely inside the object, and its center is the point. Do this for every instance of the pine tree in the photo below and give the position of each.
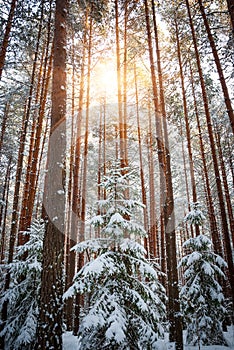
(22, 296)
(126, 300)
(201, 295)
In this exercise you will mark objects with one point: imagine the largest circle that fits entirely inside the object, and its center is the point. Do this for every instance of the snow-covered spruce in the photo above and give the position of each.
(201, 296)
(126, 299)
(22, 296)
(195, 216)
(116, 213)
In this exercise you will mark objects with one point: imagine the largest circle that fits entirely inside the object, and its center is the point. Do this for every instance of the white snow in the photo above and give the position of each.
(193, 257)
(70, 342)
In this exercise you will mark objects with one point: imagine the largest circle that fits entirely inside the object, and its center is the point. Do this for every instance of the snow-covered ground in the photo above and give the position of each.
(70, 343)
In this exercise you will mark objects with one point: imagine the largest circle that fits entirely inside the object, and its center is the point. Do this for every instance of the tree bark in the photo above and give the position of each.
(210, 203)
(141, 168)
(215, 161)
(3, 126)
(6, 37)
(4, 210)
(49, 332)
(30, 186)
(187, 126)
(227, 99)
(175, 331)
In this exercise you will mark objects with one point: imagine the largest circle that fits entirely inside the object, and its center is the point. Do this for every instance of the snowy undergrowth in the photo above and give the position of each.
(70, 342)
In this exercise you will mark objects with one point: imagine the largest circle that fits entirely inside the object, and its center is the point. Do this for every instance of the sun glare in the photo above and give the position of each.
(105, 79)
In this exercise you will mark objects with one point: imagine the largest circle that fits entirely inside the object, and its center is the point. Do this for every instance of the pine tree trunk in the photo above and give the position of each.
(153, 227)
(224, 222)
(14, 217)
(141, 168)
(122, 127)
(81, 235)
(175, 321)
(210, 203)
(49, 332)
(70, 255)
(3, 126)
(187, 126)
(225, 185)
(4, 210)
(77, 197)
(76, 169)
(6, 37)
(218, 64)
(30, 186)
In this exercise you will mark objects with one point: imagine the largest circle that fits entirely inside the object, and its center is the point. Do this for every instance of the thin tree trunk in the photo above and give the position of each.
(77, 200)
(218, 63)
(76, 169)
(14, 217)
(32, 169)
(6, 37)
(153, 227)
(122, 140)
(3, 126)
(186, 186)
(187, 126)
(26, 190)
(4, 210)
(175, 330)
(142, 177)
(125, 64)
(225, 185)
(211, 209)
(81, 234)
(70, 255)
(224, 222)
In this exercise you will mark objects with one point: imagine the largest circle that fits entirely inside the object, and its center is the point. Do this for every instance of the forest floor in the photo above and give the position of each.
(70, 343)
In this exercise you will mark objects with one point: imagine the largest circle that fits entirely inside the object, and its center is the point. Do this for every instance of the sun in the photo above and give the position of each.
(104, 79)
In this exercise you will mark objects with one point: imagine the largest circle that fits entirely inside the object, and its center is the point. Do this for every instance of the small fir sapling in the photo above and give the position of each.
(126, 301)
(195, 216)
(201, 296)
(20, 328)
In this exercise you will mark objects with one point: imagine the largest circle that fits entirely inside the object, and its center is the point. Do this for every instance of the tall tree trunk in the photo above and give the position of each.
(187, 126)
(169, 215)
(122, 141)
(6, 37)
(70, 256)
(225, 184)
(153, 226)
(26, 191)
(218, 64)
(186, 235)
(76, 201)
(215, 161)
(49, 332)
(141, 168)
(81, 233)
(30, 186)
(14, 216)
(3, 126)
(76, 168)
(210, 202)
(4, 210)
(125, 65)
